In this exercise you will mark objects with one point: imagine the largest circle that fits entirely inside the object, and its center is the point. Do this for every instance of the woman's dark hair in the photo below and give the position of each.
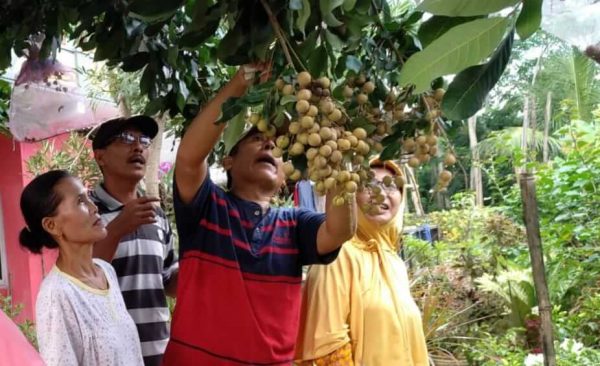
(39, 199)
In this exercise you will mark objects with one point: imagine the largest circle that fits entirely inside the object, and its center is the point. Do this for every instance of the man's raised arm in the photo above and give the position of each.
(200, 138)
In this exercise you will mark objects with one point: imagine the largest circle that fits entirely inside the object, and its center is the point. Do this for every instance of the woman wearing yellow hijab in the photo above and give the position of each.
(359, 310)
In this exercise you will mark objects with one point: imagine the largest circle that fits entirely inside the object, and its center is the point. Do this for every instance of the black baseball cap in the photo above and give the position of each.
(111, 128)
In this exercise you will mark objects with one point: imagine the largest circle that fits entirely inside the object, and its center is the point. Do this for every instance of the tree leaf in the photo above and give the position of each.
(154, 10)
(334, 41)
(318, 61)
(390, 151)
(464, 8)
(353, 63)
(303, 15)
(530, 18)
(468, 90)
(230, 109)
(434, 27)
(349, 4)
(327, 7)
(234, 129)
(462, 46)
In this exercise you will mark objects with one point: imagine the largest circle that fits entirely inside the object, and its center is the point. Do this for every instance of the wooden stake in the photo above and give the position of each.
(532, 224)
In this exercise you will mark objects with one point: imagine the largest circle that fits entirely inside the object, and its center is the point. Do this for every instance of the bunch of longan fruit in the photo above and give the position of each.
(336, 151)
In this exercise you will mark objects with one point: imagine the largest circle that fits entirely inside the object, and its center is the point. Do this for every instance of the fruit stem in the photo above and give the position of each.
(278, 31)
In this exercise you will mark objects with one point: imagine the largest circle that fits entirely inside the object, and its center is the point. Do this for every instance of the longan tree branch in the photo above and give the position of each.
(278, 32)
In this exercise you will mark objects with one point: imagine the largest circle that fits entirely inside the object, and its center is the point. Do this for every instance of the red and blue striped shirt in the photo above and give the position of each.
(238, 297)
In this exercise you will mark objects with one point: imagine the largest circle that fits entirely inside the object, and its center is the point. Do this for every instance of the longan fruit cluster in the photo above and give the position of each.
(319, 129)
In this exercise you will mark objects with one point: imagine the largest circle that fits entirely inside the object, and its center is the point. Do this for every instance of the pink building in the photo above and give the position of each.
(21, 272)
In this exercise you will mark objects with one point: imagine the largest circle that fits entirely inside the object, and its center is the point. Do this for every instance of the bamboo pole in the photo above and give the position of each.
(547, 117)
(532, 224)
(476, 178)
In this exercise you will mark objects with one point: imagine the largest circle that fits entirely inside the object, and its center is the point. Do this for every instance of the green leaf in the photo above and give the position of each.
(353, 63)
(349, 4)
(135, 62)
(530, 18)
(390, 151)
(303, 15)
(334, 41)
(232, 107)
(286, 99)
(318, 61)
(154, 10)
(434, 27)
(462, 46)
(327, 7)
(464, 8)
(468, 90)
(235, 127)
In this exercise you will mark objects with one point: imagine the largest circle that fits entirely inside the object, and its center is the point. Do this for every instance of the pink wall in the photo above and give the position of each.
(25, 270)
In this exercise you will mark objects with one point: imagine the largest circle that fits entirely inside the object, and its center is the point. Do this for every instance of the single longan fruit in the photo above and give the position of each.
(287, 89)
(311, 153)
(279, 84)
(325, 150)
(296, 175)
(288, 168)
(312, 111)
(449, 159)
(351, 186)
(304, 79)
(414, 162)
(302, 106)
(360, 133)
(369, 87)
(445, 176)
(304, 94)
(335, 115)
(336, 156)
(294, 128)
(254, 118)
(282, 142)
(296, 149)
(348, 92)
(325, 82)
(362, 98)
(314, 139)
(307, 122)
(262, 125)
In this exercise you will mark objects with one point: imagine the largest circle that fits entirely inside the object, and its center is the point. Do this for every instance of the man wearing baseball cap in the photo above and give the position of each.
(238, 299)
(140, 240)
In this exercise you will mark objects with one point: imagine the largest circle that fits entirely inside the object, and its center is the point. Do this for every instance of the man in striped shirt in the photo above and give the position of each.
(238, 300)
(140, 240)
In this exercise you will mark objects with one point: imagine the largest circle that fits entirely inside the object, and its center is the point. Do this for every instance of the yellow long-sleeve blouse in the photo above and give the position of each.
(363, 298)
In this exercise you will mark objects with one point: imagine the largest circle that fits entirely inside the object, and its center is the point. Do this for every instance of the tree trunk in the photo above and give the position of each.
(151, 177)
(124, 109)
(413, 186)
(524, 132)
(547, 117)
(532, 224)
(476, 181)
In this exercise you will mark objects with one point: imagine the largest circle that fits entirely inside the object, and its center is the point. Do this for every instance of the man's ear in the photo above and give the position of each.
(227, 162)
(99, 156)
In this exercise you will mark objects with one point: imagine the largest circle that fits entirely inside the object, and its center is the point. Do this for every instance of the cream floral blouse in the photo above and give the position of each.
(80, 325)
